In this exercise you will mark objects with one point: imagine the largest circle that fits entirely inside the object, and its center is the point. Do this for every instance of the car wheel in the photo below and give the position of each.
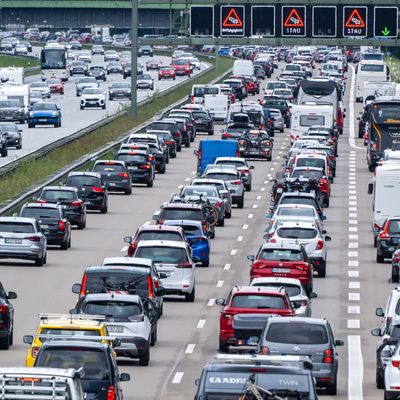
(103, 107)
(30, 125)
(150, 184)
(81, 107)
(206, 263)
(19, 147)
(375, 242)
(4, 152)
(161, 170)
(12, 337)
(210, 133)
(104, 209)
(189, 298)
(281, 130)
(332, 389)
(82, 224)
(161, 310)
(39, 262)
(5, 343)
(240, 204)
(153, 338)
(326, 202)
(322, 270)
(173, 155)
(179, 147)
(221, 222)
(64, 245)
(395, 274)
(228, 214)
(223, 348)
(380, 381)
(69, 242)
(109, 98)
(379, 258)
(128, 191)
(187, 143)
(144, 359)
(248, 188)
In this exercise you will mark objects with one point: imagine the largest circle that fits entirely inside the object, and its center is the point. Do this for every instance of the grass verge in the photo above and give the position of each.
(30, 173)
(15, 61)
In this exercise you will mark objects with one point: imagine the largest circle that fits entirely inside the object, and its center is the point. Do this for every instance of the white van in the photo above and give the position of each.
(369, 70)
(199, 91)
(376, 89)
(243, 68)
(217, 105)
(272, 85)
(306, 115)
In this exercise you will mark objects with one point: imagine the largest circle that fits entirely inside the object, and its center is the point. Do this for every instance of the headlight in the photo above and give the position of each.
(31, 114)
(111, 91)
(54, 114)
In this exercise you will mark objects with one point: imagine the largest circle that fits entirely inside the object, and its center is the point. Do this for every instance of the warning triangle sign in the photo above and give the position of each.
(232, 20)
(293, 20)
(355, 20)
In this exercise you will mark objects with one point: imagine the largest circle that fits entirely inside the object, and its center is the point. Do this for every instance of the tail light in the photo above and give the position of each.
(264, 350)
(304, 267)
(396, 363)
(41, 201)
(150, 291)
(192, 99)
(83, 285)
(226, 135)
(238, 182)
(33, 238)
(123, 175)
(177, 134)
(77, 203)
(385, 234)
(340, 117)
(272, 240)
(132, 248)
(199, 153)
(97, 189)
(328, 356)
(258, 265)
(169, 142)
(111, 393)
(184, 265)
(34, 351)
(320, 245)
(61, 225)
(150, 158)
(145, 166)
(218, 204)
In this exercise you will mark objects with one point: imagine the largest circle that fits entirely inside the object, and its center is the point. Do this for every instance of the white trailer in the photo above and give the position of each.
(14, 75)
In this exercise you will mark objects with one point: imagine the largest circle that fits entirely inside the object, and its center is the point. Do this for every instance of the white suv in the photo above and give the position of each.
(392, 308)
(93, 97)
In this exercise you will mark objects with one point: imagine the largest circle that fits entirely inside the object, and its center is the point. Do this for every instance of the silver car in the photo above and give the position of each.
(241, 165)
(232, 178)
(40, 87)
(22, 238)
(277, 118)
(84, 83)
(299, 300)
(126, 318)
(175, 260)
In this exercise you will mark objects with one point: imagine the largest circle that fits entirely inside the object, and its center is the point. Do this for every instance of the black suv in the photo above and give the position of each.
(145, 51)
(140, 168)
(51, 218)
(91, 189)
(169, 125)
(115, 175)
(100, 377)
(6, 318)
(67, 196)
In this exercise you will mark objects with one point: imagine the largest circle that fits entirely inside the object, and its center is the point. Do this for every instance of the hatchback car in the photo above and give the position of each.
(78, 68)
(145, 81)
(140, 167)
(12, 134)
(115, 175)
(114, 67)
(166, 72)
(56, 85)
(241, 165)
(305, 336)
(84, 83)
(7, 318)
(388, 240)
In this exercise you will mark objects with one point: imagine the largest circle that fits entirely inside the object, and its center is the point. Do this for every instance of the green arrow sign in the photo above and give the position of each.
(385, 31)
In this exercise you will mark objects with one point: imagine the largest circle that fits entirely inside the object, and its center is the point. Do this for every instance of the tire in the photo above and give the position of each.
(5, 343)
(189, 298)
(210, 133)
(4, 152)
(332, 389)
(150, 184)
(187, 143)
(248, 188)
(379, 258)
(371, 168)
(81, 107)
(223, 348)
(322, 271)
(128, 191)
(69, 242)
(144, 359)
(395, 275)
(380, 381)
(161, 170)
(326, 202)
(82, 225)
(221, 222)
(241, 202)
(64, 245)
(206, 263)
(30, 125)
(12, 337)
(19, 147)
(39, 262)
(103, 107)
(153, 338)
(281, 130)
(179, 147)
(228, 214)
(104, 209)
(375, 242)
(173, 155)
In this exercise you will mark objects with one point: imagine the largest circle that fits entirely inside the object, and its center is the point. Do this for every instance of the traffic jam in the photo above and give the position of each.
(279, 103)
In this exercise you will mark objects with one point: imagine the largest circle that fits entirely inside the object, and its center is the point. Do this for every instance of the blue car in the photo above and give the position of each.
(44, 114)
(197, 238)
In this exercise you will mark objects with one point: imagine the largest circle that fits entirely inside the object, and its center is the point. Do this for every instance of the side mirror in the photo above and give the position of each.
(76, 288)
(116, 342)
(232, 190)
(28, 339)
(328, 238)
(269, 216)
(379, 312)
(220, 302)
(124, 377)
(370, 188)
(197, 382)
(251, 258)
(156, 215)
(376, 332)
(313, 295)
(11, 296)
(73, 311)
(252, 167)
(128, 239)
(323, 217)
(339, 342)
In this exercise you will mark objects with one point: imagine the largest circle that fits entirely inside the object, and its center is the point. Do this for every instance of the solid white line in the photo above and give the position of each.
(245, 227)
(227, 267)
(353, 324)
(351, 114)
(201, 323)
(211, 302)
(190, 348)
(125, 248)
(356, 368)
(178, 377)
(220, 283)
(233, 252)
(353, 309)
(353, 274)
(354, 296)
(240, 238)
(354, 285)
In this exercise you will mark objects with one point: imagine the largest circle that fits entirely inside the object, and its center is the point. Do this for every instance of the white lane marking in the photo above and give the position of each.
(354, 285)
(190, 348)
(240, 238)
(274, 163)
(352, 215)
(125, 248)
(188, 179)
(353, 237)
(280, 152)
(353, 309)
(193, 172)
(354, 296)
(259, 198)
(356, 367)
(262, 189)
(245, 227)
(277, 158)
(201, 323)
(353, 324)
(351, 115)
(352, 253)
(352, 221)
(352, 263)
(211, 302)
(178, 377)
(352, 208)
(353, 203)
(352, 197)
(272, 169)
(353, 274)
(255, 206)
(250, 216)
(180, 186)
(352, 191)
(352, 187)
(220, 283)
(233, 252)
(353, 245)
(227, 267)
(353, 229)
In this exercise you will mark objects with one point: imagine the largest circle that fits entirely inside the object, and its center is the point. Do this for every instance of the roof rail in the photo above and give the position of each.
(72, 317)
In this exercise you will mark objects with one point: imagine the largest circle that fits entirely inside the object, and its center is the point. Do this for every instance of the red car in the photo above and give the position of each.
(252, 85)
(290, 261)
(56, 85)
(240, 311)
(166, 72)
(153, 65)
(182, 66)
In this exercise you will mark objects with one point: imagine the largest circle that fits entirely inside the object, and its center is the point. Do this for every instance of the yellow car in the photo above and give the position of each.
(64, 325)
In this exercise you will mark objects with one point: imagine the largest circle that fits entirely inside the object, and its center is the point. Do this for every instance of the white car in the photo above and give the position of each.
(297, 295)
(391, 309)
(92, 97)
(392, 376)
(40, 87)
(175, 260)
(272, 85)
(20, 49)
(85, 56)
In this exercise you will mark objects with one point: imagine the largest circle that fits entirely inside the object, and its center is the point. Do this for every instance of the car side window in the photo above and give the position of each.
(3, 293)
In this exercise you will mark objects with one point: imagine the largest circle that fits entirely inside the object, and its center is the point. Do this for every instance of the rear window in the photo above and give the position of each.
(162, 126)
(58, 195)
(394, 227)
(83, 181)
(40, 213)
(159, 235)
(67, 332)
(301, 173)
(112, 309)
(280, 255)
(297, 333)
(310, 162)
(310, 120)
(109, 168)
(297, 233)
(141, 158)
(291, 290)
(162, 254)
(15, 227)
(258, 302)
(200, 115)
(192, 230)
(171, 213)
(304, 212)
(220, 175)
(198, 191)
(298, 200)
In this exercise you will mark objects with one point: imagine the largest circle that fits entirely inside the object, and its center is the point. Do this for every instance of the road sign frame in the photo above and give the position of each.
(397, 23)
(305, 20)
(221, 21)
(336, 20)
(344, 22)
(213, 18)
(274, 18)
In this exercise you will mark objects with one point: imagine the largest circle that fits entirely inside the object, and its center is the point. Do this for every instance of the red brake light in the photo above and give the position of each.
(145, 166)
(124, 175)
(150, 158)
(238, 182)
(84, 284)
(272, 240)
(97, 190)
(33, 238)
(384, 234)
(320, 244)
(218, 204)
(41, 201)
(76, 203)
(150, 287)
(328, 356)
(111, 393)
(396, 363)
(61, 225)
(264, 350)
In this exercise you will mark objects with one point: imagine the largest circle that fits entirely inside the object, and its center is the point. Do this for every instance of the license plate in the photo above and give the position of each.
(115, 328)
(42, 119)
(13, 241)
(91, 102)
(111, 184)
(168, 274)
(87, 202)
(44, 226)
(133, 168)
(281, 270)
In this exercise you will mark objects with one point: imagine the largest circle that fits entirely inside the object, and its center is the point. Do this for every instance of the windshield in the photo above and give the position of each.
(291, 290)
(40, 213)
(53, 59)
(109, 168)
(280, 255)
(16, 227)
(83, 181)
(222, 176)
(307, 173)
(163, 255)
(297, 233)
(276, 85)
(386, 113)
(180, 62)
(9, 127)
(159, 235)
(67, 332)
(297, 333)
(258, 301)
(43, 106)
(114, 309)
(10, 104)
(138, 158)
(91, 91)
(181, 213)
(310, 162)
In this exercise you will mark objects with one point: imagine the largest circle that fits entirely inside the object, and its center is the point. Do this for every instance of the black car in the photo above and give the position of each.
(255, 144)
(12, 110)
(98, 72)
(115, 175)
(67, 196)
(145, 51)
(12, 134)
(189, 120)
(203, 122)
(169, 125)
(280, 104)
(91, 189)
(119, 90)
(182, 124)
(127, 70)
(139, 166)
(78, 68)
(51, 218)
(114, 67)
(168, 140)
(6, 318)
(100, 374)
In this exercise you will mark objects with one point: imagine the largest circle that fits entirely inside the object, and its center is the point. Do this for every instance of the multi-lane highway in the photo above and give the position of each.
(74, 119)
(188, 332)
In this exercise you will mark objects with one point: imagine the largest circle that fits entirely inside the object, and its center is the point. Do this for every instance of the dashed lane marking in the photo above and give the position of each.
(353, 263)
(354, 296)
(178, 377)
(190, 348)
(220, 283)
(353, 324)
(353, 274)
(240, 238)
(353, 309)
(201, 323)
(211, 302)
(227, 267)
(354, 285)
(233, 252)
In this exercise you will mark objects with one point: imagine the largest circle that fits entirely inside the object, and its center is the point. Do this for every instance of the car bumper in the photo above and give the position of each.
(118, 186)
(43, 120)
(385, 249)
(131, 347)
(99, 103)
(94, 203)
(73, 217)
(139, 177)
(179, 288)
(324, 374)
(263, 153)
(31, 254)
(201, 251)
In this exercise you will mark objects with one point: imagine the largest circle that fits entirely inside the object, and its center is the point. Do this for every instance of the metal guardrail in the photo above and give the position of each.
(9, 206)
